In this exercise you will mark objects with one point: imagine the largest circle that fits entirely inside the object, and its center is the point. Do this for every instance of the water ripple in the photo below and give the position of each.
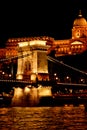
(43, 118)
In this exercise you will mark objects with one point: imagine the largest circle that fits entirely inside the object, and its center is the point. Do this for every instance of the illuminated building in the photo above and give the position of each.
(34, 50)
(77, 43)
(30, 54)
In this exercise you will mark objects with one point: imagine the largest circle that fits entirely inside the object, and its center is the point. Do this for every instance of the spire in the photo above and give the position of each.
(80, 13)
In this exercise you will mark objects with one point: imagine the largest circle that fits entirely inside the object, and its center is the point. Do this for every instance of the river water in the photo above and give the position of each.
(43, 118)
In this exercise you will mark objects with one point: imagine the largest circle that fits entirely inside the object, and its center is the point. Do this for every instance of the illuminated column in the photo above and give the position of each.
(34, 64)
(23, 52)
(18, 98)
(20, 67)
(40, 62)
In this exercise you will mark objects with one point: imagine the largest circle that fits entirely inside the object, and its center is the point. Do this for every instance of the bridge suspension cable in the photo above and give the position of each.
(15, 57)
(73, 68)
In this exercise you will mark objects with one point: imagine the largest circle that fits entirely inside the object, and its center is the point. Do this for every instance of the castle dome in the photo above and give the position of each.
(80, 20)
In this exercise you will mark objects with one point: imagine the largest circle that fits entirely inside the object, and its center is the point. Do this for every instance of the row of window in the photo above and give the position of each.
(67, 49)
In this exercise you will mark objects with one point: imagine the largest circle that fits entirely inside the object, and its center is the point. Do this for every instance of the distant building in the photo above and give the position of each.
(77, 43)
(27, 56)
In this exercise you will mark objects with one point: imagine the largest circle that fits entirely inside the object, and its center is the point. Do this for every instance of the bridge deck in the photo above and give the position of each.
(44, 83)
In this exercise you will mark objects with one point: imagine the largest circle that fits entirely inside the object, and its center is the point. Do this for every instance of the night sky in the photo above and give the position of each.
(52, 18)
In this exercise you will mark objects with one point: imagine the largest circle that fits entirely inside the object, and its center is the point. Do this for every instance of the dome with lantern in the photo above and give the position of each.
(80, 20)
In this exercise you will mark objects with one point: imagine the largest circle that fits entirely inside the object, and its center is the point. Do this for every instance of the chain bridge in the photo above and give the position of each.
(34, 80)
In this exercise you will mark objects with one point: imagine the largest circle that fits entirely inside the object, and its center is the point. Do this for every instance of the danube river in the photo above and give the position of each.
(43, 118)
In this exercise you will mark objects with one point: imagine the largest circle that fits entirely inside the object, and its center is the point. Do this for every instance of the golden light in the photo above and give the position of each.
(18, 92)
(23, 44)
(44, 91)
(17, 99)
(31, 43)
(19, 76)
(33, 77)
(26, 90)
(37, 42)
(76, 42)
(39, 86)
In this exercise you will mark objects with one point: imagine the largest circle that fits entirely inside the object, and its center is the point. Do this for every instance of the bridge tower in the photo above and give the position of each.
(32, 61)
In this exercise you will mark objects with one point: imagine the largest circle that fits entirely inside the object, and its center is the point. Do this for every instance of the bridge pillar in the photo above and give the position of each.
(32, 61)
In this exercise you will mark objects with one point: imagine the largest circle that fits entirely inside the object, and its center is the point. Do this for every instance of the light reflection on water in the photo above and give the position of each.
(43, 118)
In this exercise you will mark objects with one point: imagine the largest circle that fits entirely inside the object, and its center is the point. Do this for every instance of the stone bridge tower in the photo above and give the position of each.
(32, 61)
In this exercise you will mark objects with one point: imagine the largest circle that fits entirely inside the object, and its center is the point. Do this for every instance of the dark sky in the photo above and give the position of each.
(39, 18)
